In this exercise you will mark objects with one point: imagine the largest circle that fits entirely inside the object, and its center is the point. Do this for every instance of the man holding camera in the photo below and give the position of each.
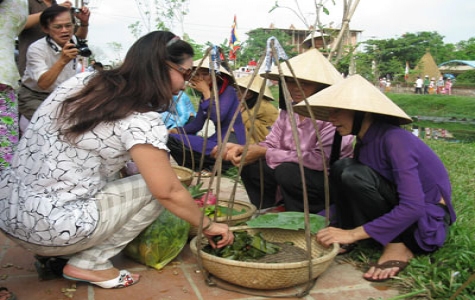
(50, 60)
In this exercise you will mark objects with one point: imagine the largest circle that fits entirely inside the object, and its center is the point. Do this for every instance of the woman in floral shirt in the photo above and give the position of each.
(13, 17)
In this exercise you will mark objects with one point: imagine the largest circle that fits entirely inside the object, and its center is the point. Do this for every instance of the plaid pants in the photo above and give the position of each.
(126, 207)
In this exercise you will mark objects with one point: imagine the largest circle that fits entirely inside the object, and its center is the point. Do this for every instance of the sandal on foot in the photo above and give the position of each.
(124, 279)
(11, 297)
(387, 265)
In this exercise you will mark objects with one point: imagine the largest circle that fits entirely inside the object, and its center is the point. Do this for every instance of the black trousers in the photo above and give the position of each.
(362, 195)
(287, 178)
(191, 159)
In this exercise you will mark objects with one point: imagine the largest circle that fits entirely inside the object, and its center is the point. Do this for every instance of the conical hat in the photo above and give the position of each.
(205, 65)
(310, 66)
(354, 93)
(255, 85)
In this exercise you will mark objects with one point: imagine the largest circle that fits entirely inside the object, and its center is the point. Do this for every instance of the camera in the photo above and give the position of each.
(75, 10)
(83, 48)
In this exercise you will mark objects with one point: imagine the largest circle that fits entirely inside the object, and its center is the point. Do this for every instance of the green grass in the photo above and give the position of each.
(436, 105)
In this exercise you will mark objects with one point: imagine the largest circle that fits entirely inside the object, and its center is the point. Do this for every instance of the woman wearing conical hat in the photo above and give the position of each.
(267, 113)
(395, 190)
(278, 152)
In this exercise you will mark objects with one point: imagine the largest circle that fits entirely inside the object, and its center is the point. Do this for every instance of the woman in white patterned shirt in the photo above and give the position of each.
(57, 198)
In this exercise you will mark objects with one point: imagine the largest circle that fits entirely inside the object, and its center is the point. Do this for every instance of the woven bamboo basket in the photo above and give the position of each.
(249, 208)
(185, 175)
(269, 276)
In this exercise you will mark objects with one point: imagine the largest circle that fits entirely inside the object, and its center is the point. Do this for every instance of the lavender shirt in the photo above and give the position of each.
(228, 104)
(281, 146)
(421, 181)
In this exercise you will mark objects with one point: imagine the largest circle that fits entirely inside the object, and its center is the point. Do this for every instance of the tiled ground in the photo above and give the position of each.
(180, 279)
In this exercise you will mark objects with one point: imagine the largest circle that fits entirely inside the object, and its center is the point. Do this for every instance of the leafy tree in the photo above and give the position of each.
(255, 46)
(465, 50)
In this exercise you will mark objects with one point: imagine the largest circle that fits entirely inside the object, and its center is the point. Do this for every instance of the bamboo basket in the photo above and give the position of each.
(269, 276)
(233, 220)
(185, 175)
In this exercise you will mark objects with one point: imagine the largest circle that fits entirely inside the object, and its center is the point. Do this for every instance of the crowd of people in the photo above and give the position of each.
(59, 194)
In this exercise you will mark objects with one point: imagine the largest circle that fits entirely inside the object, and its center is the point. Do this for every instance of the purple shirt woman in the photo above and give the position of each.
(395, 190)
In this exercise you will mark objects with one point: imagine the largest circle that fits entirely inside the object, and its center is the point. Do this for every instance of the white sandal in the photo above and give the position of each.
(124, 279)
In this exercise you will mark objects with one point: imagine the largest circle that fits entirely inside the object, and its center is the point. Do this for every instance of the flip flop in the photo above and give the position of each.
(387, 265)
(124, 279)
(12, 296)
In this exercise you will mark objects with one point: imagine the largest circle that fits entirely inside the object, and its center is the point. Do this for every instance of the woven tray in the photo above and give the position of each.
(268, 276)
(234, 220)
(185, 175)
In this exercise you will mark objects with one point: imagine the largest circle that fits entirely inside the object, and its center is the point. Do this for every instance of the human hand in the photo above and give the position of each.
(67, 4)
(200, 85)
(69, 52)
(329, 235)
(229, 148)
(84, 15)
(227, 237)
(173, 130)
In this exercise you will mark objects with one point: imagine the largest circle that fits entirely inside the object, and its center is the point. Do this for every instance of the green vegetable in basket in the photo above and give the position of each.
(160, 242)
(245, 247)
(291, 220)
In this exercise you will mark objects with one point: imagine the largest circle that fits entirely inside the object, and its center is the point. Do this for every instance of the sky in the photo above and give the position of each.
(211, 20)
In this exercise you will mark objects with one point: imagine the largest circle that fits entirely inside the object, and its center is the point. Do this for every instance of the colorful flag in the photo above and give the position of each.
(406, 73)
(233, 41)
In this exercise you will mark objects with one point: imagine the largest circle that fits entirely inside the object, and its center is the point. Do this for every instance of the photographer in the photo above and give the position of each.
(33, 31)
(51, 60)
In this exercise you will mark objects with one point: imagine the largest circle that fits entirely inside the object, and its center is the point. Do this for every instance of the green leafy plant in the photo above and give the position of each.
(287, 220)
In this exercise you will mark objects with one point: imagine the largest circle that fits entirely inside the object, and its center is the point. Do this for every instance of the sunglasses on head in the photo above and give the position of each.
(186, 73)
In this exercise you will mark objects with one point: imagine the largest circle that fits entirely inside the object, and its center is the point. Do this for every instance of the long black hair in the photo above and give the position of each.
(141, 84)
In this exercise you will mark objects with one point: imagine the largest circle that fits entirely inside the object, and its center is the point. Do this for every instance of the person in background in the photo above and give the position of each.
(440, 85)
(90, 67)
(185, 145)
(419, 83)
(265, 116)
(432, 86)
(50, 60)
(70, 207)
(33, 31)
(278, 152)
(426, 84)
(180, 113)
(448, 86)
(13, 17)
(395, 190)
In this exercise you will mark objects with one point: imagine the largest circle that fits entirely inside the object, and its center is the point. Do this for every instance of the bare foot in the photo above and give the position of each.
(94, 276)
(392, 251)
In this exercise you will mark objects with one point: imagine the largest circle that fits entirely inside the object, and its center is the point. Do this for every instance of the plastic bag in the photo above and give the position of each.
(160, 242)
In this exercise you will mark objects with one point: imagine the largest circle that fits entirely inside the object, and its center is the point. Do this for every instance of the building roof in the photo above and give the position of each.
(470, 63)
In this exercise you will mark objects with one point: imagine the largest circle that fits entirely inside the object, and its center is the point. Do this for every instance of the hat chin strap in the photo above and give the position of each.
(357, 122)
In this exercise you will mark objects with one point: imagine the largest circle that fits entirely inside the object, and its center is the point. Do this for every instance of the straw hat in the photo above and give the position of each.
(353, 93)
(205, 65)
(310, 66)
(255, 85)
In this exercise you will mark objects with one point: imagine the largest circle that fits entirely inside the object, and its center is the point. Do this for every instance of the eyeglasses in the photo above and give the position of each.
(67, 26)
(186, 73)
